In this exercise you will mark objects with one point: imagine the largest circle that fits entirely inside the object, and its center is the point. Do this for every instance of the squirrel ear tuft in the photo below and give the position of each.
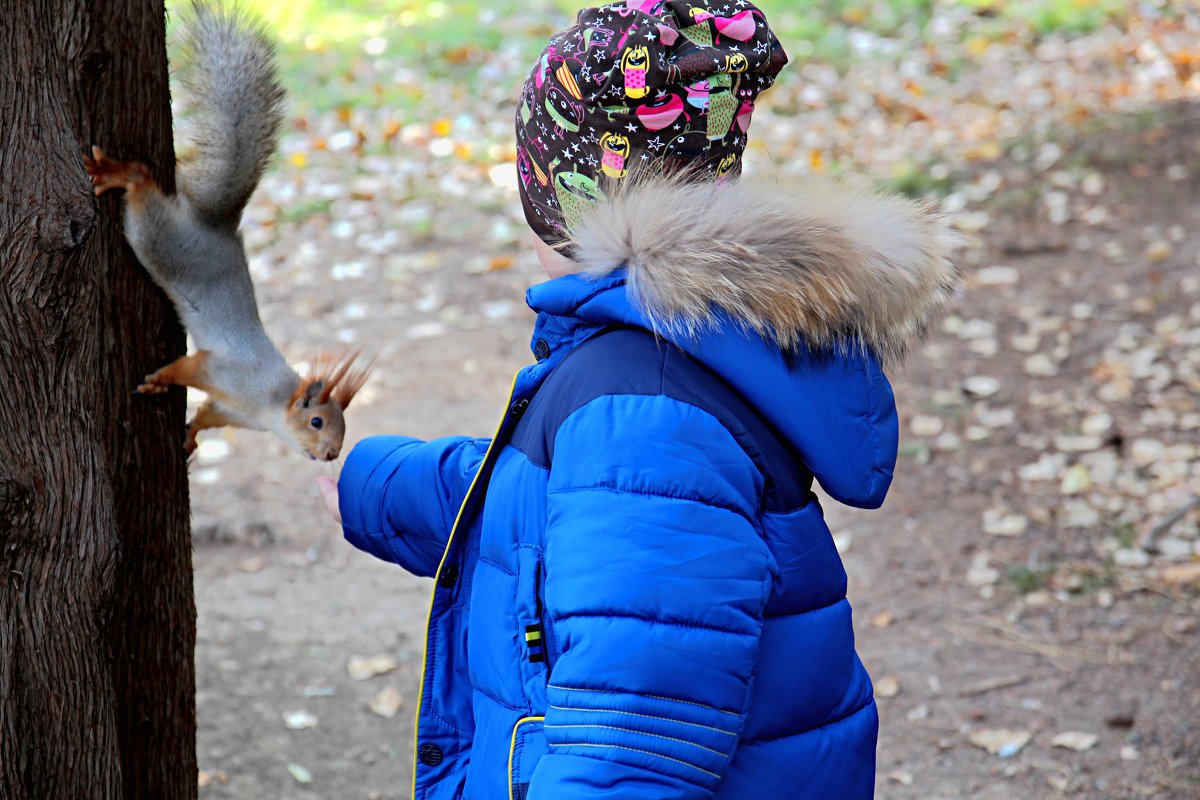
(350, 384)
(340, 368)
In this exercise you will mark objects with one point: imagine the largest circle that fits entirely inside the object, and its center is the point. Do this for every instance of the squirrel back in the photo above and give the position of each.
(190, 245)
(236, 111)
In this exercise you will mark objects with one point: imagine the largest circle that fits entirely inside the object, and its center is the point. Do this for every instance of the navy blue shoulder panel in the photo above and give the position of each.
(631, 361)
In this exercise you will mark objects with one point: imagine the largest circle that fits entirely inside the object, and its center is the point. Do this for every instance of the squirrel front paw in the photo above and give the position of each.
(109, 174)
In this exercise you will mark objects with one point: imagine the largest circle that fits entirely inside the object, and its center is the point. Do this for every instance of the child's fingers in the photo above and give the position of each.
(329, 494)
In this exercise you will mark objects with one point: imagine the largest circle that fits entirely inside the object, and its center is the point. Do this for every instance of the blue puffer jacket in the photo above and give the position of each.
(636, 594)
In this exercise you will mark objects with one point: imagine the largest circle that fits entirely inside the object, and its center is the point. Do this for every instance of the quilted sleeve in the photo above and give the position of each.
(656, 580)
(399, 496)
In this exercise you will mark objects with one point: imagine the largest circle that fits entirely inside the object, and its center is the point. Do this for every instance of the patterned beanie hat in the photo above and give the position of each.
(654, 86)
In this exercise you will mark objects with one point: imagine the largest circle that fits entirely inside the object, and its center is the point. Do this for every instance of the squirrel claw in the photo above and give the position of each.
(151, 388)
(108, 174)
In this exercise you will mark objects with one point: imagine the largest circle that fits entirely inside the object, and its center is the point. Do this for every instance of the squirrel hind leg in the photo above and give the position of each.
(186, 371)
(107, 173)
(207, 416)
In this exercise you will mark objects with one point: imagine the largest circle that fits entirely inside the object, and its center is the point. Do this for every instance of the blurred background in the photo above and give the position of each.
(1028, 600)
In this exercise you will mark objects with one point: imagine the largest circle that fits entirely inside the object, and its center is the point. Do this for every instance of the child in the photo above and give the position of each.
(636, 595)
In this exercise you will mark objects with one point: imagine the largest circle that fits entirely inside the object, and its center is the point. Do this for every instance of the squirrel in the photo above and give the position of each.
(190, 245)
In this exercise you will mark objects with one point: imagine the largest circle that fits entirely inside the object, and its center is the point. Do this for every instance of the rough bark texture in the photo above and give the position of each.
(97, 620)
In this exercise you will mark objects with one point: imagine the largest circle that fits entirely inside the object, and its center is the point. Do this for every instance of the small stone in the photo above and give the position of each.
(252, 564)
(1078, 514)
(901, 777)
(1040, 365)
(1075, 740)
(918, 713)
(302, 775)
(1075, 480)
(976, 329)
(1130, 753)
(1131, 557)
(842, 541)
(981, 385)
(1177, 172)
(999, 523)
(1145, 452)
(1096, 424)
(887, 686)
(926, 425)
(1026, 342)
(997, 276)
(883, 619)
(1077, 444)
(1158, 251)
(976, 433)
(1176, 549)
(1046, 468)
(1092, 184)
(299, 720)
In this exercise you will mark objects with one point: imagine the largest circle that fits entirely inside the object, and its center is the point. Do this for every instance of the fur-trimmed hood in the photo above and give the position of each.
(816, 265)
(793, 296)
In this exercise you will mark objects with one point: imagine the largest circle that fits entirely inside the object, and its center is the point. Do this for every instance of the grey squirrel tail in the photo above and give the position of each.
(237, 110)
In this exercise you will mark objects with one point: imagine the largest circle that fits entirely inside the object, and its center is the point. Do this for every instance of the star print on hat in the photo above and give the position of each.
(653, 86)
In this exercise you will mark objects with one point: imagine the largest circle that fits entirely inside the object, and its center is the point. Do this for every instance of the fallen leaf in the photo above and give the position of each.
(362, 668)
(883, 619)
(387, 703)
(1182, 574)
(1075, 740)
(1000, 741)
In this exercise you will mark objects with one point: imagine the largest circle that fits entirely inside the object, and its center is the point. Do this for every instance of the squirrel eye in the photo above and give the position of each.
(316, 422)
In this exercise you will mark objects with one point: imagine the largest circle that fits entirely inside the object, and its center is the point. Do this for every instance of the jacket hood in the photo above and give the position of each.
(793, 296)
(809, 265)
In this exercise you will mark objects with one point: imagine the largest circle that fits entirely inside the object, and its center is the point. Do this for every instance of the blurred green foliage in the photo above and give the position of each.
(338, 54)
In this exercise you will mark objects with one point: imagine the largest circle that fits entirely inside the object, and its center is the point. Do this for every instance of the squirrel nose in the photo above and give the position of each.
(331, 454)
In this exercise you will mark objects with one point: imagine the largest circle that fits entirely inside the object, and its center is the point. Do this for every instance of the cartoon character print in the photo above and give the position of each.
(616, 149)
(721, 106)
(735, 63)
(740, 27)
(634, 64)
(566, 113)
(699, 32)
(576, 194)
(697, 94)
(686, 149)
(745, 110)
(726, 168)
(661, 112)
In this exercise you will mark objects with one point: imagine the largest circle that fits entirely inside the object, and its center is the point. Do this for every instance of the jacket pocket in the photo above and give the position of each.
(533, 633)
(528, 746)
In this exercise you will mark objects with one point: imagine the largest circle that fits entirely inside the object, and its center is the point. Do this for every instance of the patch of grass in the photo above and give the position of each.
(1027, 580)
(298, 212)
(1125, 534)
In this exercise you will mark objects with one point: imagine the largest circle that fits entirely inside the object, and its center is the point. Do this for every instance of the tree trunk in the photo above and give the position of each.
(97, 620)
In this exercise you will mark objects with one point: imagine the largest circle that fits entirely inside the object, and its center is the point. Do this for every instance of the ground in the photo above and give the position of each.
(286, 604)
(1019, 591)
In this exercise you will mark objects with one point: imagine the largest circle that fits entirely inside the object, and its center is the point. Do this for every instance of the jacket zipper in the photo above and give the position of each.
(483, 465)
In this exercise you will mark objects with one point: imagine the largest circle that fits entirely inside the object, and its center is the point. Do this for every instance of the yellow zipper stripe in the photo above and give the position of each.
(436, 575)
(512, 748)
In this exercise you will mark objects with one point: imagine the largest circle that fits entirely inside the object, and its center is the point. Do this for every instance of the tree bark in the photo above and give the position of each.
(97, 619)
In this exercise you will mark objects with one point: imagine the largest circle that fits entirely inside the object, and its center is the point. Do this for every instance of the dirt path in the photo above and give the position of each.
(1049, 629)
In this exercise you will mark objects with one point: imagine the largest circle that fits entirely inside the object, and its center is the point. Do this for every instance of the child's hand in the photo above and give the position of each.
(329, 493)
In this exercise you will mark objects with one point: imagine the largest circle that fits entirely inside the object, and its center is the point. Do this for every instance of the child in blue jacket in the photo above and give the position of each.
(635, 593)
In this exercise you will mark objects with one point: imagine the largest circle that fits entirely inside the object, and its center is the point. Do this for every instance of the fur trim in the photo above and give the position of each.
(815, 265)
